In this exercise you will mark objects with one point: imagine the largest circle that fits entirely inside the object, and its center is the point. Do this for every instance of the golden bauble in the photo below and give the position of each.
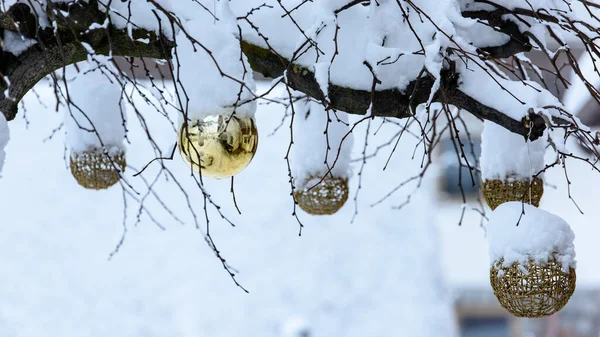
(222, 145)
(95, 170)
(534, 290)
(497, 192)
(324, 199)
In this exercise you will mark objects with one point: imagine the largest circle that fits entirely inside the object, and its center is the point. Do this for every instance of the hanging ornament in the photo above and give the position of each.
(95, 123)
(322, 197)
(217, 133)
(533, 260)
(95, 170)
(508, 164)
(218, 146)
(319, 166)
(499, 191)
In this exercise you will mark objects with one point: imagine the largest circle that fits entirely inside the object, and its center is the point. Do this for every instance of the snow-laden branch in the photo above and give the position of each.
(81, 28)
(70, 41)
(386, 103)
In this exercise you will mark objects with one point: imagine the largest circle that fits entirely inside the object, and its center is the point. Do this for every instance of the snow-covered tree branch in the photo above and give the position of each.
(35, 48)
(55, 34)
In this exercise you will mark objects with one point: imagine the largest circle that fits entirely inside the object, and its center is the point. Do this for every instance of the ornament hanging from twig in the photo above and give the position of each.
(322, 197)
(497, 192)
(511, 167)
(95, 120)
(218, 146)
(532, 260)
(320, 160)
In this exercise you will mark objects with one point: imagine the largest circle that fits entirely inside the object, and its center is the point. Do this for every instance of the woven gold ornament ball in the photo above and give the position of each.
(220, 146)
(94, 170)
(533, 291)
(324, 199)
(497, 192)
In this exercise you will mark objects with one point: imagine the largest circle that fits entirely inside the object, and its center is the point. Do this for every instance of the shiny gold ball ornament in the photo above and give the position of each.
(497, 192)
(534, 290)
(220, 146)
(95, 170)
(326, 198)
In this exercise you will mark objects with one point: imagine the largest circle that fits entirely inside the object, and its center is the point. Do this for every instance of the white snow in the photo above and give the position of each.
(141, 14)
(314, 151)
(296, 326)
(16, 43)
(201, 75)
(4, 138)
(520, 232)
(506, 155)
(343, 279)
(96, 118)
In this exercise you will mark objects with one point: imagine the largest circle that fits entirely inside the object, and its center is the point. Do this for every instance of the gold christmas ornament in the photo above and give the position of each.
(94, 170)
(497, 192)
(222, 145)
(324, 199)
(533, 291)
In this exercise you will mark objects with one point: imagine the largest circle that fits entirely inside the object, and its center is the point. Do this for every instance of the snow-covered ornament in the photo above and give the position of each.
(319, 166)
(218, 146)
(96, 125)
(532, 260)
(217, 133)
(96, 170)
(497, 192)
(324, 198)
(510, 167)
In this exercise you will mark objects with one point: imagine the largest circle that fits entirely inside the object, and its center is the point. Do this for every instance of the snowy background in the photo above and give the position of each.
(342, 279)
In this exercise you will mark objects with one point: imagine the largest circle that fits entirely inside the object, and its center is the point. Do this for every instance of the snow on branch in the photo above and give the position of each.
(391, 102)
(406, 53)
(70, 40)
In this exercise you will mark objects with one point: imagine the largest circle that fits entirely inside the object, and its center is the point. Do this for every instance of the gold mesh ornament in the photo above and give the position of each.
(541, 291)
(324, 199)
(94, 170)
(218, 145)
(497, 192)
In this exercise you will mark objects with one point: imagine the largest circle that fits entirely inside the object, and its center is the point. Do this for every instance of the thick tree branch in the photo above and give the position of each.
(55, 50)
(386, 103)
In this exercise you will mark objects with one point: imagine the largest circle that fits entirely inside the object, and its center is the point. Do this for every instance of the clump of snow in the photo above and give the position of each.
(318, 135)
(16, 43)
(506, 155)
(520, 232)
(139, 14)
(4, 137)
(96, 116)
(219, 82)
(296, 326)
(513, 98)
